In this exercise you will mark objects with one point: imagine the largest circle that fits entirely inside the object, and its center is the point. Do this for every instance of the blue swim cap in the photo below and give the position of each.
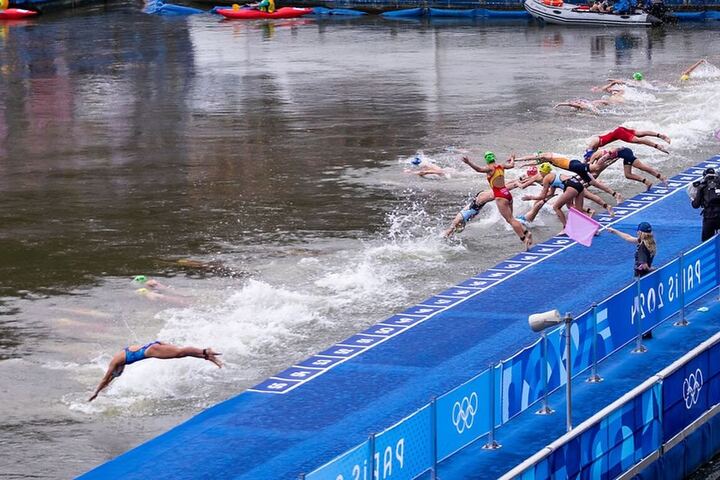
(416, 161)
(588, 153)
(645, 227)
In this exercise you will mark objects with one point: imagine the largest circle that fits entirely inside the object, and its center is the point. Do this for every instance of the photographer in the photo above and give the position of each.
(707, 196)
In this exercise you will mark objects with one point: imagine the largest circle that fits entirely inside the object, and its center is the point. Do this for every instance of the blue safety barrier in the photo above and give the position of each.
(614, 444)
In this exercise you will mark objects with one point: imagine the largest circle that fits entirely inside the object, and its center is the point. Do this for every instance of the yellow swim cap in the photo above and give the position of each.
(685, 78)
(142, 291)
(545, 168)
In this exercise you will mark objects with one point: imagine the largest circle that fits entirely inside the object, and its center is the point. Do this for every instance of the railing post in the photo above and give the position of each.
(639, 347)
(371, 460)
(594, 377)
(568, 371)
(433, 433)
(682, 322)
(545, 409)
(491, 443)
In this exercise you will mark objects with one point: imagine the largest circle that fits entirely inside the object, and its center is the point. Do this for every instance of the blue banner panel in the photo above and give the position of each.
(522, 383)
(613, 444)
(660, 295)
(615, 321)
(700, 270)
(463, 415)
(350, 465)
(685, 395)
(555, 356)
(404, 451)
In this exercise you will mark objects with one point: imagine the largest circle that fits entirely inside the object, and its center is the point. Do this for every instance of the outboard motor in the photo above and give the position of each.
(658, 12)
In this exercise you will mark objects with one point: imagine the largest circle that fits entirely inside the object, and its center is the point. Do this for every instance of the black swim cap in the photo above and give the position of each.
(709, 171)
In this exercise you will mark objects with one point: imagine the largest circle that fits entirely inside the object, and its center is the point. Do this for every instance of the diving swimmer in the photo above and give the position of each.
(605, 158)
(483, 198)
(573, 190)
(156, 349)
(503, 199)
(626, 135)
(579, 168)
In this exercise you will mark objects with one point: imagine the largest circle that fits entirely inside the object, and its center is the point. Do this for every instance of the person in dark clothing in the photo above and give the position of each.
(646, 247)
(707, 197)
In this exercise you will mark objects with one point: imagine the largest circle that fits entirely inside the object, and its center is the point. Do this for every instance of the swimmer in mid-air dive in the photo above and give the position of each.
(579, 168)
(483, 198)
(573, 191)
(135, 353)
(605, 158)
(556, 183)
(626, 135)
(503, 199)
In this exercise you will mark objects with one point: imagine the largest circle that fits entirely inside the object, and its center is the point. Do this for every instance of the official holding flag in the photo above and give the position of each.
(646, 247)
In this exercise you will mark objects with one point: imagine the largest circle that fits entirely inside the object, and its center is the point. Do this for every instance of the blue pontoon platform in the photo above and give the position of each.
(305, 416)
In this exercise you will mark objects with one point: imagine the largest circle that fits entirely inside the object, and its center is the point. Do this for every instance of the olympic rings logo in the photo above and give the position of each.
(691, 388)
(463, 413)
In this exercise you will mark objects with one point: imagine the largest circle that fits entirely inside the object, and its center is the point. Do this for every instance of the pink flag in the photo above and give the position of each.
(580, 227)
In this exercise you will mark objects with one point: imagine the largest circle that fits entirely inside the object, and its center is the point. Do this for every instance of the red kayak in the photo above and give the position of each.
(248, 14)
(16, 13)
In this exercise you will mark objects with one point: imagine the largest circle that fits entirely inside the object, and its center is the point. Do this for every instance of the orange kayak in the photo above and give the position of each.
(16, 13)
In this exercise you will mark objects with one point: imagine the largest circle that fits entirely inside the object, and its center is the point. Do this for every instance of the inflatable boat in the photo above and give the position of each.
(560, 13)
(251, 14)
(16, 13)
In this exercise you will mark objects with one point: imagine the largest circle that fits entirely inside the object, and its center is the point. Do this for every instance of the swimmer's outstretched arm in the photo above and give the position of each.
(623, 235)
(695, 65)
(117, 361)
(475, 166)
(529, 181)
(510, 162)
(543, 195)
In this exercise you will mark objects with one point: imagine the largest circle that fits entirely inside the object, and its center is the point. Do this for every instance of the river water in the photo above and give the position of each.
(274, 152)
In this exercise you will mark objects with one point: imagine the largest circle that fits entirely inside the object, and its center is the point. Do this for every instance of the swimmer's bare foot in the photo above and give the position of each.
(663, 179)
(618, 198)
(527, 239)
(609, 210)
(590, 212)
(661, 148)
(211, 356)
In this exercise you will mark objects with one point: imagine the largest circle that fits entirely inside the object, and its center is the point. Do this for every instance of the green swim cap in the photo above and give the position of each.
(140, 278)
(489, 157)
(638, 76)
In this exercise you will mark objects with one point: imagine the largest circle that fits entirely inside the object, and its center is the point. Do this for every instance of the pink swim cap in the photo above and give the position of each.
(532, 171)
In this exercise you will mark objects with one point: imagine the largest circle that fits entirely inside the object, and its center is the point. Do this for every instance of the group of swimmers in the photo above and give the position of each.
(573, 185)
(613, 92)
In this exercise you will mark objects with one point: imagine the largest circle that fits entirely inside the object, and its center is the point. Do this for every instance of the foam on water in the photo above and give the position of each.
(296, 305)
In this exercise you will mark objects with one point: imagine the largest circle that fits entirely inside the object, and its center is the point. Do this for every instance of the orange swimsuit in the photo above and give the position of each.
(498, 192)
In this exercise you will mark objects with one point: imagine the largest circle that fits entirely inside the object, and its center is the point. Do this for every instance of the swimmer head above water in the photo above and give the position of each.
(489, 157)
(638, 76)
